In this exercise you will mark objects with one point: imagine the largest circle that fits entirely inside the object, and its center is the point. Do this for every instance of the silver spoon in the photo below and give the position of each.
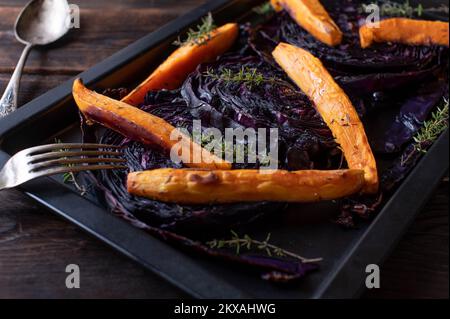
(41, 22)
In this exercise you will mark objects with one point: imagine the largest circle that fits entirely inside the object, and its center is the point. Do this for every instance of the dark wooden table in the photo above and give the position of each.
(36, 245)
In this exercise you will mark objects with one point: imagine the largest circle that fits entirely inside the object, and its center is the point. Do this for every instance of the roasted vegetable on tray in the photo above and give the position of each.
(313, 17)
(335, 107)
(406, 31)
(206, 187)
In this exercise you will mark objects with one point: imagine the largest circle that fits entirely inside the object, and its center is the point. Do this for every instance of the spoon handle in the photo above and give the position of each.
(8, 102)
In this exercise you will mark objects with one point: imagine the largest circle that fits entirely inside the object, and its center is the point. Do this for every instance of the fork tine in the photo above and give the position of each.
(74, 169)
(62, 146)
(72, 161)
(54, 155)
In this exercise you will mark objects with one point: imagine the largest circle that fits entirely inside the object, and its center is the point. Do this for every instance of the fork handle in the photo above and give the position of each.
(8, 102)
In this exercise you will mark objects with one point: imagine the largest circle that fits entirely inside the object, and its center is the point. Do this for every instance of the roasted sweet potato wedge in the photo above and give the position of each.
(140, 126)
(185, 186)
(333, 105)
(407, 31)
(183, 61)
(312, 16)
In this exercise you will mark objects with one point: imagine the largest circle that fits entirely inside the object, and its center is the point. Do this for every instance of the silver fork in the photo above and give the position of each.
(58, 158)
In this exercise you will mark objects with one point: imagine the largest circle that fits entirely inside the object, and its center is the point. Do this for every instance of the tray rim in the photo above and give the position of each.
(332, 288)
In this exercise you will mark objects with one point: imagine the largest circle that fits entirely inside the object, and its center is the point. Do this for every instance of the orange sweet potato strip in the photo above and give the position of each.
(139, 126)
(185, 186)
(312, 16)
(183, 61)
(333, 105)
(407, 31)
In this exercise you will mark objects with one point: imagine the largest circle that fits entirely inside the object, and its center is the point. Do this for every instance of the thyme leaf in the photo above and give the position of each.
(199, 36)
(246, 75)
(432, 128)
(246, 242)
(69, 177)
(390, 8)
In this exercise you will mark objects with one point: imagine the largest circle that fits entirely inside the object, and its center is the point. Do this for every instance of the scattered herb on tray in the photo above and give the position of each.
(247, 76)
(432, 128)
(249, 243)
(201, 35)
(401, 9)
(405, 9)
(69, 177)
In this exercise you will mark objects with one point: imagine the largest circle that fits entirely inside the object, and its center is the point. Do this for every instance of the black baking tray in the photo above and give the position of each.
(346, 253)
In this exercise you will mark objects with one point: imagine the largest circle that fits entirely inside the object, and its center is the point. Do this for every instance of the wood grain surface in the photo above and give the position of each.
(36, 245)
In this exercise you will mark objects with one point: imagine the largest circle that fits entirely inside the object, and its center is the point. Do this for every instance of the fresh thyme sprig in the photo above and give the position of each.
(390, 8)
(70, 177)
(246, 75)
(432, 128)
(405, 9)
(201, 35)
(249, 243)
(264, 9)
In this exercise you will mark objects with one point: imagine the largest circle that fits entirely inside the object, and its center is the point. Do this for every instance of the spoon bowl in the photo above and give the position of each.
(42, 22)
